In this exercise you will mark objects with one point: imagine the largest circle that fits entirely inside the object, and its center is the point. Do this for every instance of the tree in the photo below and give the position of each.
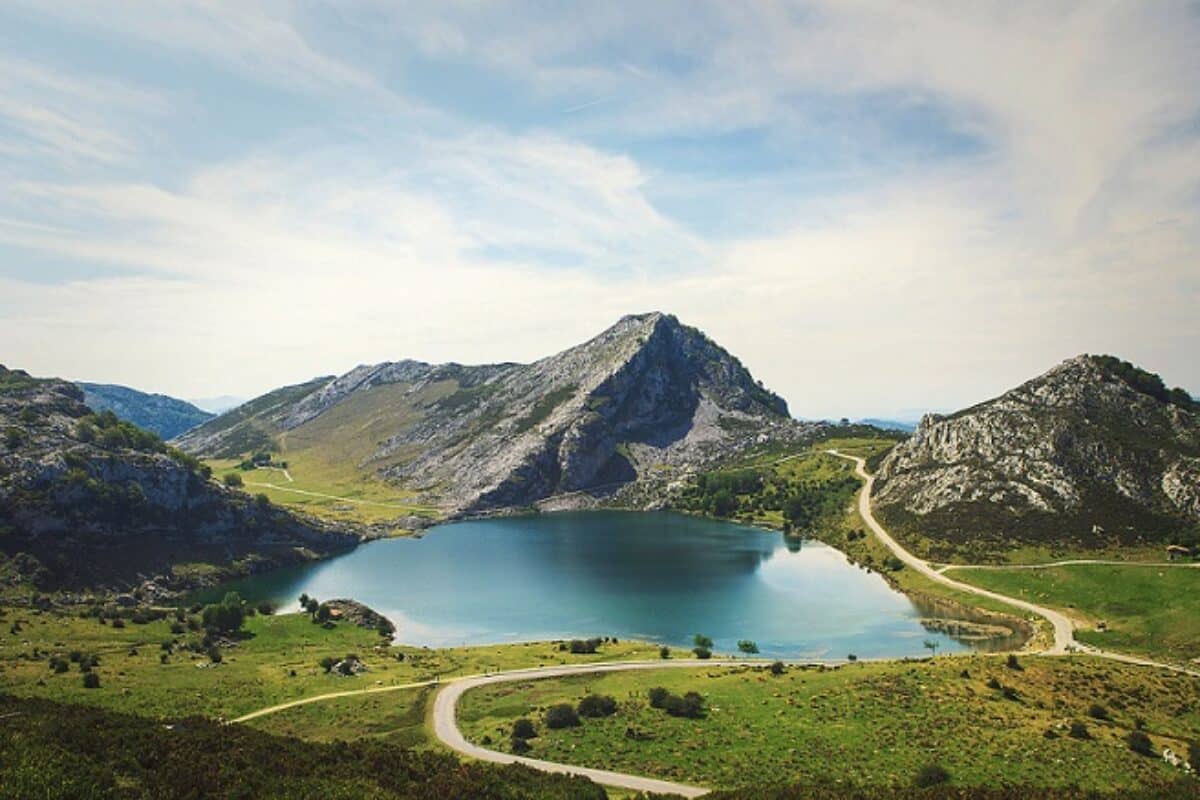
(323, 613)
(1012, 662)
(226, 616)
(561, 716)
(311, 607)
(700, 640)
(691, 705)
(777, 668)
(597, 705)
(931, 775)
(702, 653)
(214, 654)
(304, 600)
(262, 502)
(747, 646)
(233, 480)
(523, 729)
(932, 645)
(664, 652)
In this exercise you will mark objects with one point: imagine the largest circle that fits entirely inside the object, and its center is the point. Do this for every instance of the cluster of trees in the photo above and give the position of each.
(727, 493)
(1145, 382)
(225, 617)
(690, 705)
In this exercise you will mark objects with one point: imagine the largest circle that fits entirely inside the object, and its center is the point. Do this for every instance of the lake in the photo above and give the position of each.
(656, 576)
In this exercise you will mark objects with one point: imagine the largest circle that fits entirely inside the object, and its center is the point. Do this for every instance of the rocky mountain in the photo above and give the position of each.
(166, 416)
(647, 398)
(88, 499)
(1094, 452)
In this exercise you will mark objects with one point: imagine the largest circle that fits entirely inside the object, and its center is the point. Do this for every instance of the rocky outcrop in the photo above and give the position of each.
(647, 398)
(1093, 451)
(101, 502)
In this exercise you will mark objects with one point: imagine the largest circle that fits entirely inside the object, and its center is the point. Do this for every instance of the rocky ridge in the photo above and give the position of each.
(1094, 451)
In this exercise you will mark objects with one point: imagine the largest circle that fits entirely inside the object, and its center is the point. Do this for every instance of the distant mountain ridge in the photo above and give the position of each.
(1093, 452)
(166, 416)
(648, 396)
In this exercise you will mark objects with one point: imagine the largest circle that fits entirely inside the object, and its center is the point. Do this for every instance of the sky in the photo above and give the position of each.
(878, 207)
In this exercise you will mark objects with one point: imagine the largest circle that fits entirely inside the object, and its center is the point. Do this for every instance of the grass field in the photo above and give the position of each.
(1148, 610)
(278, 662)
(877, 724)
(334, 492)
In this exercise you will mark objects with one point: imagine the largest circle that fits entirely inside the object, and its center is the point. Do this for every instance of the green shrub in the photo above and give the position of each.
(91, 680)
(597, 705)
(1140, 743)
(562, 715)
(523, 729)
(931, 775)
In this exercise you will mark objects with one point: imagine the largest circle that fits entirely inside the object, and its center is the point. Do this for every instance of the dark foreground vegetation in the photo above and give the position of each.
(1185, 789)
(52, 750)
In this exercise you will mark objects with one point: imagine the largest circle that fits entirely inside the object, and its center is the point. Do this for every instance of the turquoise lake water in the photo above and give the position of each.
(656, 576)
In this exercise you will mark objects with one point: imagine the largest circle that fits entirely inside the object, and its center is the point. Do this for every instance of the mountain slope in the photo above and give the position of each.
(158, 413)
(1094, 452)
(648, 396)
(86, 499)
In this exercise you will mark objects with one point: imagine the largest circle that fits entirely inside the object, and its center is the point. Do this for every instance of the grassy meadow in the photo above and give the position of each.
(1147, 610)
(877, 722)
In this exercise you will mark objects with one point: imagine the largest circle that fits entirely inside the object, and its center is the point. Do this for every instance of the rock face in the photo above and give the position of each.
(648, 395)
(114, 505)
(1094, 451)
(163, 415)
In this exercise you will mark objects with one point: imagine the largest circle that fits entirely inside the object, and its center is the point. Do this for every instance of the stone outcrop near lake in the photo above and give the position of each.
(87, 499)
(1093, 452)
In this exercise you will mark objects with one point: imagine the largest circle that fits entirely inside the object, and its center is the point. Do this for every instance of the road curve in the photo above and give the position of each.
(1064, 629)
(445, 725)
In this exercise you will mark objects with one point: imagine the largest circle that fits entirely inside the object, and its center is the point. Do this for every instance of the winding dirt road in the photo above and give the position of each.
(1064, 629)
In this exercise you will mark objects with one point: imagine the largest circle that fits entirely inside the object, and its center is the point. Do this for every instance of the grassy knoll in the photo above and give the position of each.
(878, 723)
(278, 661)
(1148, 610)
(331, 491)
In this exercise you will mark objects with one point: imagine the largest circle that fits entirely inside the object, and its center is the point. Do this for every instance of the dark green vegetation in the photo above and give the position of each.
(877, 724)
(49, 750)
(1095, 455)
(90, 499)
(165, 416)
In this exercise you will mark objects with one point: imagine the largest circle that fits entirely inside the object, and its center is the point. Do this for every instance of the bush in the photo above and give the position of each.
(658, 697)
(691, 705)
(1194, 755)
(561, 716)
(214, 654)
(233, 480)
(931, 775)
(1140, 743)
(580, 646)
(597, 705)
(226, 616)
(91, 680)
(59, 665)
(266, 609)
(520, 746)
(664, 652)
(1012, 662)
(1097, 711)
(118, 622)
(1078, 731)
(702, 652)
(327, 663)
(777, 668)
(747, 646)
(524, 729)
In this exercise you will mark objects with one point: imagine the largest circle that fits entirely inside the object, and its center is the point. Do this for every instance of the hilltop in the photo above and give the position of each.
(166, 416)
(647, 399)
(1095, 452)
(87, 500)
